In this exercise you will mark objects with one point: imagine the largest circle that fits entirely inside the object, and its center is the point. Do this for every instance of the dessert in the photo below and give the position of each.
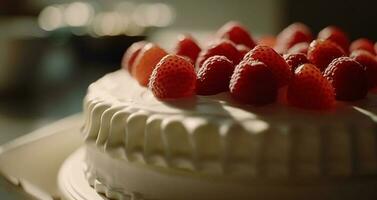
(277, 131)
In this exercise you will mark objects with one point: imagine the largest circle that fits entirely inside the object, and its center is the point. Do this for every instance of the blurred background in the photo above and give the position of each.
(50, 50)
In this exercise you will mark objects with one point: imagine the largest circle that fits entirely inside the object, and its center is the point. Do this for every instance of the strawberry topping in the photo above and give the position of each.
(322, 52)
(174, 77)
(309, 89)
(348, 78)
(273, 60)
(253, 83)
(214, 76)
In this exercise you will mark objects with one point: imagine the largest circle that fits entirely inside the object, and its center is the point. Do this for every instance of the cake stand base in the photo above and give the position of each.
(72, 182)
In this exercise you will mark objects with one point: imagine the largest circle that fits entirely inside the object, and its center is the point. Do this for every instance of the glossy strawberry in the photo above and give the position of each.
(274, 62)
(188, 47)
(362, 43)
(253, 83)
(322, 52)
(236, 33)
(222, 48)
(291, 35)
(294, 60)
(131, 54)
(369, 61)
(301, 47)
(214, 76)
(146, 61)
(336, 35)
(309, 89)
(242, 49)
(174, 77)
(348, 78)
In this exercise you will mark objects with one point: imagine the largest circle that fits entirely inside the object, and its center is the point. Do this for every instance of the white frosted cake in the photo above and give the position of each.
(205, 148)
(235, 120)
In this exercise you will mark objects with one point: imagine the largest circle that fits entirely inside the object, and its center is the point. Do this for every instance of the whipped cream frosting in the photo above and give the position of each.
(215, 135)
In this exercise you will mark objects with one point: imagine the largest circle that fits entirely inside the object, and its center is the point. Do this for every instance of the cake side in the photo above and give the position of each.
(214, 135)
(129, 180)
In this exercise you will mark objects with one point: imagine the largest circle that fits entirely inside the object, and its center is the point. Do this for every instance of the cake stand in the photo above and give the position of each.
(72, 182)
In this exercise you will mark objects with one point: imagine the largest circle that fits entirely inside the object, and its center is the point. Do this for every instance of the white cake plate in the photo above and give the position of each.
(32, 162)
(72, 181)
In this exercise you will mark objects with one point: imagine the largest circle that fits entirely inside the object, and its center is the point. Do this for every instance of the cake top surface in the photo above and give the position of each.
(119, 88)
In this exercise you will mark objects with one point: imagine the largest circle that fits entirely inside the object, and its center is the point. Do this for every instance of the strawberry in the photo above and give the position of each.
(236, 33)
(336, 35)
(131, 54)
(309, 89)
(188, 47)
(253, 83)
(363, 43)
(294, 60)
(348, 78)
(174, 77)
(242, 49)
(301, 47)
(273, 60)
(221, 47)
(369, 62)
(291, 35)
(267, 40)
(214, 76)
(146, 61)
(322, 52)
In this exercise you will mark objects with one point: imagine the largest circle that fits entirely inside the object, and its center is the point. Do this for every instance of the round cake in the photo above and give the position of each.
(139, 145)
(210, 148)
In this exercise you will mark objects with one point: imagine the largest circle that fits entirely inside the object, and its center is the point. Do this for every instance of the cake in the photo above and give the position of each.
(139, 145)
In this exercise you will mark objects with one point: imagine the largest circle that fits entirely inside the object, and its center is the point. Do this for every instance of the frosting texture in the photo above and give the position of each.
(214, 135)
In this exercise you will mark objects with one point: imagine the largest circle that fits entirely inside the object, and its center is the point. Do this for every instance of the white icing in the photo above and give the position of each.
(122, 180)
(213, 134)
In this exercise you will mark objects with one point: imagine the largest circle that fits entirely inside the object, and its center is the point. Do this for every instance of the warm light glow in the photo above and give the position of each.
(78, 14)
(157, 14)
(108, 23)
(166, 15)
(51, 18)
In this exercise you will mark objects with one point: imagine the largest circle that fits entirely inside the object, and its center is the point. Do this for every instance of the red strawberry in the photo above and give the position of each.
(322, 52)
(362, 43)
(294, 60)
(309, 89)
(348, 78)
(291, 35)
(223, 48)
(146, 61)
(242, 49)
(301, 47)
(267, 40)
(174, 77)
(188, 47)
(336, 35)
(253, 83)
(131, 54)
(369, 62)
(214, 76)
(273, 60)
(236, 33)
